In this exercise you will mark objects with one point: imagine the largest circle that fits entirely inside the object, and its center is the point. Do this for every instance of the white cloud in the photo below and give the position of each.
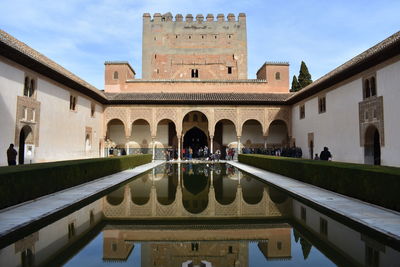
(81, 35)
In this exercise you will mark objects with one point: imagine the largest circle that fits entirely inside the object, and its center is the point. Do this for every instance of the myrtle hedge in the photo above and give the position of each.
(378, 185)
(25, 182)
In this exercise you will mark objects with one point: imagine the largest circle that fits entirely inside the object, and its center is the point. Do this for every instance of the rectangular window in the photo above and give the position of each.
(322, 104)
(303, 214)
(229, 70)
(323, 226)
(302, 111)
(72, 103)
(92, 109)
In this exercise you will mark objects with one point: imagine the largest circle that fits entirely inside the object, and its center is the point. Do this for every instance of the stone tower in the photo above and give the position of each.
(185, 49)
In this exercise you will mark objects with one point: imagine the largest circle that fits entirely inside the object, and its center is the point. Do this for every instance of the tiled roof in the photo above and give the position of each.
(27, 56)
(197, 98)
(378, 53)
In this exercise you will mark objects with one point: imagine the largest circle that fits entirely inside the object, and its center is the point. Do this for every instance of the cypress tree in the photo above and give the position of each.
(304, 76)
(295, 84)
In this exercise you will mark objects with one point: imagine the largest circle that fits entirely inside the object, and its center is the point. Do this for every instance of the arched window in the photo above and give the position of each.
(277, 76)
(115, 75)
(373, 86)
(31, 90)
(26, 86)
(367, 89)
(195, 73)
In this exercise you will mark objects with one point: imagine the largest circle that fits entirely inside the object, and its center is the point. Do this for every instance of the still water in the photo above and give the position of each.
(198, 215)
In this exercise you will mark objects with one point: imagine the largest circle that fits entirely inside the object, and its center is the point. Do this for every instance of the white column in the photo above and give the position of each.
(154, 147)
(211, 144)
(179, 147)
(238, 145)
(265, 141)
(127, 145)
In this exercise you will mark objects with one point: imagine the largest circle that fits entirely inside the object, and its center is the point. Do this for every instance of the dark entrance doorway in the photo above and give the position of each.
(23, 136)
(195, 138)
(372, 149)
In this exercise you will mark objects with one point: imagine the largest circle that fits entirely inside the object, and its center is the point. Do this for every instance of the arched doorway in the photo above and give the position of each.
(115, 137)
(140, 141)
(277, 134)
(252, 136)
(372, 148)
(25, 137)
(195, 132)
(195, 139)
(225, 137)
(167, 139)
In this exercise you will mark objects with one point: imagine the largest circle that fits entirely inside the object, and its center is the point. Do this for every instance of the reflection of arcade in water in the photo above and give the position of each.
(216, 246)
(193, 191)
(199, 215)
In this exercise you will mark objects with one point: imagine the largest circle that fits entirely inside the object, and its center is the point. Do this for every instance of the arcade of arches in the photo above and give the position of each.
(153, 129)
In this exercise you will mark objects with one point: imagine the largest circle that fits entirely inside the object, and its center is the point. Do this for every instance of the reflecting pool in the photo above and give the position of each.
(199, 215)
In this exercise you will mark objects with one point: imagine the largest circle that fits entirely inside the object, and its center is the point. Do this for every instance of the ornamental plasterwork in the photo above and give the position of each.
(282, 114)
(246, 114)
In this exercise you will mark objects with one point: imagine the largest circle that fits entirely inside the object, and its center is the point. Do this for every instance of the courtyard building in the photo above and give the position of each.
(194, 93)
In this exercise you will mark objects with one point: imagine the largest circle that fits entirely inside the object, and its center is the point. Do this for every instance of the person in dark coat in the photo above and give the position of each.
(325, 154)
(12, 155)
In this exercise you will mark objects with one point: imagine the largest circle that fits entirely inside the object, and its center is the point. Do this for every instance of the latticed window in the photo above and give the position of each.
(277, 76)
(115, 75)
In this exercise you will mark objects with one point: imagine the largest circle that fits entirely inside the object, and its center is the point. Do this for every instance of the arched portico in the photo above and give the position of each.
(236, 123)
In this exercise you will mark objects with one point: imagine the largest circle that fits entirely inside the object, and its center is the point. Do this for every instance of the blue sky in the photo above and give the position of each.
(81, 34)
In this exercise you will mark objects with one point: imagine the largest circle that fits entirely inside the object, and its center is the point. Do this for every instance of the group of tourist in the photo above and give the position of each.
(292, 152)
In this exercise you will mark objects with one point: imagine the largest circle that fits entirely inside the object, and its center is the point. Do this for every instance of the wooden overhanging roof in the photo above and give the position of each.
(24, 55)
(388, 48)
(198, 98)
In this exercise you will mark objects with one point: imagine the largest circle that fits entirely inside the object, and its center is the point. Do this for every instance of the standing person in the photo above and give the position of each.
(190, 153)
(205, 151)
(325, 155)
(316, 157)
(12, 155)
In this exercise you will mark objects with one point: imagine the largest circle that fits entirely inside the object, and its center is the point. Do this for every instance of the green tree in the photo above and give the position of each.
(295, 84)
(304, 76)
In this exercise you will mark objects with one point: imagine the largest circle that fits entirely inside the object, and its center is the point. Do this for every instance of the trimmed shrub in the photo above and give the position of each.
(25, 182)
(378, 185)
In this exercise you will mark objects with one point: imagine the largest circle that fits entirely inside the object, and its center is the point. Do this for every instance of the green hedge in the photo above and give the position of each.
(379, 185)
(25, 182)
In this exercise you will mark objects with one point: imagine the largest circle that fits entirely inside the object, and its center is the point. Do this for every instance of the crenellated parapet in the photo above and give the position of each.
(200, 18)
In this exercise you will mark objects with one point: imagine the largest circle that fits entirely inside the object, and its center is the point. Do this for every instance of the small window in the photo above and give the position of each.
(215, 36)
(302, 111)
(195, 73)
(71, 230)
(26, 86)
(369, 87)
(91, 217)
(72, 102)
(190, 37)
(322, 104)
(230, 249)
(323, 226)
(29, 87)
(155, 38)
(115, 76)
(176, 36)
(202, 37)
(229, 36)
(229, 70)
(195, 246)
(277, 76)
(303, 214)
(27, 258)
(371, 257)
(279, 245)
(373, 86)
